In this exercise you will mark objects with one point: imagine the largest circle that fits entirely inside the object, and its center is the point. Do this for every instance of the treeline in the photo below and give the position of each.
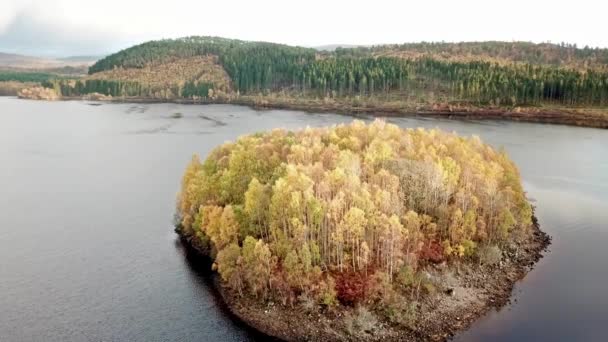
(196, 90)
(563, 54)
(481, 82)
(350, 213)
(127, 89)
(478, 82)
(517, 84)
(350, 76)
(105, 87)
(19, 76)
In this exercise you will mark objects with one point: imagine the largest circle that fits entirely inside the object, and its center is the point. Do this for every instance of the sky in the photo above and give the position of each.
(84, 27)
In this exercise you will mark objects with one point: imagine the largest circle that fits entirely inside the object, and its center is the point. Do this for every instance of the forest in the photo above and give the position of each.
(561, 55)
(491, 73)
(125, 88)
(352, 214)
(21, 76)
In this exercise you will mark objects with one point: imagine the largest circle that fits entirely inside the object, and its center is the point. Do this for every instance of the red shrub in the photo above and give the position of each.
(351, 287)
(432, 251)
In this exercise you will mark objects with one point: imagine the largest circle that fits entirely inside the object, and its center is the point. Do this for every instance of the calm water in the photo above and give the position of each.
(87, 251)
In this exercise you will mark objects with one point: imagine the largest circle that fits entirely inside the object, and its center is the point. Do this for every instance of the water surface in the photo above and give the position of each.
(87, 193)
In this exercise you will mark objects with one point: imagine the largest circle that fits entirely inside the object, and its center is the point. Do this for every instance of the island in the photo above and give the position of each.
(552, 83)
(359, 232)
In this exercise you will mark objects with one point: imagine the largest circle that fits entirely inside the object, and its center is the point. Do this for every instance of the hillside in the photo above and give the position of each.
(166, 74)
(483, 73)
(417, 77)
(15, 61)
(547, 54)
(504, 53)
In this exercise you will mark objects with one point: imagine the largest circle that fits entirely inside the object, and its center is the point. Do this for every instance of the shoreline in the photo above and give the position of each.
(582, 117)
(440, 318)
(201, 264)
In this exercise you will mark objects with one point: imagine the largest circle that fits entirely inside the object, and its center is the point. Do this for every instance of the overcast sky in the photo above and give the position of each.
(83, 27)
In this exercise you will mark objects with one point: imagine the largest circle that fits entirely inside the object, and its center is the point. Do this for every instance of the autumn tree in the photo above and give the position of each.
(346, 200)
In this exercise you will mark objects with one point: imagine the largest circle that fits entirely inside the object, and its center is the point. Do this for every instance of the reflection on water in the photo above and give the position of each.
(88, 252)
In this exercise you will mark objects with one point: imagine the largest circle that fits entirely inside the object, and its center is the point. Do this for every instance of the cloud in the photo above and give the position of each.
(60, 28)
(63, 27)
(24, 35)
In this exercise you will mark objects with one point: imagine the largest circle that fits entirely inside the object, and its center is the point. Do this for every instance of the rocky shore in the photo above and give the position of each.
(472, 291)
(39, 93)
(583, 117)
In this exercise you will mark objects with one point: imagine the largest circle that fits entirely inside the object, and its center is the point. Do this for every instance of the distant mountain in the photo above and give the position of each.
(81, 59)
(15, 61)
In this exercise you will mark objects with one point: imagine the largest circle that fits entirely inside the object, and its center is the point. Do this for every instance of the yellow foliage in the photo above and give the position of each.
(351, 197)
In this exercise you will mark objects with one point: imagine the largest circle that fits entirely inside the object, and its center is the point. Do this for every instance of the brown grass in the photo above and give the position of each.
(12, 88)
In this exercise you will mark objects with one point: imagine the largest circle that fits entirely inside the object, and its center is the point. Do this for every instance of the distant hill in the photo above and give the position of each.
(412, 74)
(228, 50)
(32, 63)
(88, 60)
(560, 55)
(223, 64)
(15, 61)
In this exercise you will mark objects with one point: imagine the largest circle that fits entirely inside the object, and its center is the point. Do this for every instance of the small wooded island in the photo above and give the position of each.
(360, 231)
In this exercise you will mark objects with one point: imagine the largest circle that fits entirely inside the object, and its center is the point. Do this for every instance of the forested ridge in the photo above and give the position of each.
(351, 214)
(561, 55)
(489, 73)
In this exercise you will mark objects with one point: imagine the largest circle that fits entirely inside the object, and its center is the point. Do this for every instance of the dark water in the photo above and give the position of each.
(87, 194)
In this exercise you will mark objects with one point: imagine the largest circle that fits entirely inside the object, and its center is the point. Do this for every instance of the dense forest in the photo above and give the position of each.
(562, 55)
(350, 214)
(21, 76)
(128, 88)
(12, 81)
(491, 73)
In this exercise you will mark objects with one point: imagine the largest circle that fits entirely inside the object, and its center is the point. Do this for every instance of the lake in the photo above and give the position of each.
(88, 252)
